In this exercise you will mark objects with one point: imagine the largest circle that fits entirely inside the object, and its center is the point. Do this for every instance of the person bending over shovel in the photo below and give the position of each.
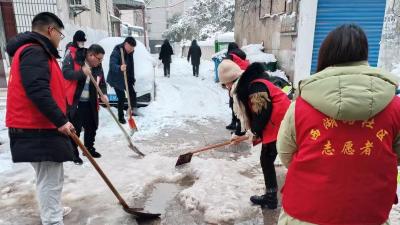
(260, 107)
(83, 109)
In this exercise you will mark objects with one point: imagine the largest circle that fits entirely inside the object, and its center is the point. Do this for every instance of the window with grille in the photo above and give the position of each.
(76, 2)
(97, 4)
(25, 10)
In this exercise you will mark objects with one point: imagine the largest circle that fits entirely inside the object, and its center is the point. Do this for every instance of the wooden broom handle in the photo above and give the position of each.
(126, 85)
(99, 170)
(240, 139)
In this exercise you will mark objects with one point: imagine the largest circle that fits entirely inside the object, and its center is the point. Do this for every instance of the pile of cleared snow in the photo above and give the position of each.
(280, 74)
(253, 52)
(221, 190)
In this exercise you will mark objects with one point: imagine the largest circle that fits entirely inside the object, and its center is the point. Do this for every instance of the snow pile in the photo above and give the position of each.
(223, 196)
(280, 74)
(255, 54)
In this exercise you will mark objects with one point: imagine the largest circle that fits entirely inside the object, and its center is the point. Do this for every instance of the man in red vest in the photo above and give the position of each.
(82, 94)
(36, 112)
(340, 139)
(260, 107)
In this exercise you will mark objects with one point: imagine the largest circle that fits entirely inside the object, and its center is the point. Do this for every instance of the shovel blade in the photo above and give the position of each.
(183, 159)
(139, 214)
(132, 124)
(135, 149)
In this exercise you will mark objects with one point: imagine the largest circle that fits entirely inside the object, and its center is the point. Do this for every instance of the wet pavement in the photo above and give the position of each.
(19, 207)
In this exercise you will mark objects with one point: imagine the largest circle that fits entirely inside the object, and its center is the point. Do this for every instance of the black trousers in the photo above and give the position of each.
(196, 70)
(83, 118)
(235, 120)
(167, 69)
(122, 99)
(267, 158)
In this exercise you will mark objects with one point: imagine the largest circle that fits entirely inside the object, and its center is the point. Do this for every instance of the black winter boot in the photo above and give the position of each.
(93, 153)
(122, 120)
(270, 199)
(78, 161)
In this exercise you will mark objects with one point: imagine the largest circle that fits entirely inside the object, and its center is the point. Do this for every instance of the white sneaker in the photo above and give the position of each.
(67, 210)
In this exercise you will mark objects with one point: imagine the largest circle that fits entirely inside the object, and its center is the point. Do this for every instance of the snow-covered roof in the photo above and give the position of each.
(226, 37)
(208, 42)
(129, 4)
(115, 19)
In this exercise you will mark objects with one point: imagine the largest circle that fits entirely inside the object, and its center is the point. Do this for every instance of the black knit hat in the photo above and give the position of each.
(79, 36)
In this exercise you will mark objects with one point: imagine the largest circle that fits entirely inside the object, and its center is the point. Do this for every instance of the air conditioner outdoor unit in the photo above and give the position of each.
(77, 7)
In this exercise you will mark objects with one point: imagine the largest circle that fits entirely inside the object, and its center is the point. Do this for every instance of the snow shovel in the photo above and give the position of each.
(187, 157)
(108, 107)
(131, 121)
(137, 212)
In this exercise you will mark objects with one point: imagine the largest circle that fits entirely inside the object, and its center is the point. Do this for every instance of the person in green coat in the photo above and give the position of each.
(349, 91)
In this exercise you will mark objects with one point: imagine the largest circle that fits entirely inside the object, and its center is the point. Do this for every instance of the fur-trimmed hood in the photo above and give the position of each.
(240, 93)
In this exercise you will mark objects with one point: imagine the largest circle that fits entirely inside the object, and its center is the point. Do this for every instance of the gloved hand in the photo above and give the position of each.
(237, 138)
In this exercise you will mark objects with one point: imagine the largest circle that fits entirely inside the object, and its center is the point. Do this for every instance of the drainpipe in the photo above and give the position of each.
(144, 25)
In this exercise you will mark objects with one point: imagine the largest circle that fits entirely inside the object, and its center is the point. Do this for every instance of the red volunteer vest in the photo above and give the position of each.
(70, 85)
(280, 103)
(344, 173)
(21, 112)
(242, 63)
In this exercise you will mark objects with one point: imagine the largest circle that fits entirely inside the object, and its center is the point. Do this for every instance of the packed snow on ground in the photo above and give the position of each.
(5, 159)
(183, 97)
(221, 187)
(220, 190)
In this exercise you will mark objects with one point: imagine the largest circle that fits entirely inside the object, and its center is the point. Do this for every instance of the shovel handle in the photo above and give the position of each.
(99, 170)
(112, 114)
(126, 85)
(239, 139)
